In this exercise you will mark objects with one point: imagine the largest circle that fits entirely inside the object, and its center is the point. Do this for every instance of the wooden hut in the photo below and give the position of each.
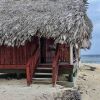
(40, 37)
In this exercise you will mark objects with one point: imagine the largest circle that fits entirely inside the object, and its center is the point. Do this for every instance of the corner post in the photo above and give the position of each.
(71, 63)
(28, 75)
(71, 54)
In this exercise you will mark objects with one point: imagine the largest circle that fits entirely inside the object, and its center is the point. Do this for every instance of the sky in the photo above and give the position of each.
(94, 14)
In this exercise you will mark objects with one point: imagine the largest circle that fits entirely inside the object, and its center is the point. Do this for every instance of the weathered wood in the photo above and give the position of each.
(17, 55)
(16, 58)
(55, 67)
(28, 75)
(64, 53)
(12, 66)
(27, 57)
(31, 66)
(71, 54)
(61, 60)
(49, 53)
(65, 65)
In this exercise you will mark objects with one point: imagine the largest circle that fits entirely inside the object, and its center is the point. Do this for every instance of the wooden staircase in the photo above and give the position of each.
(46, 72)
(43, 73)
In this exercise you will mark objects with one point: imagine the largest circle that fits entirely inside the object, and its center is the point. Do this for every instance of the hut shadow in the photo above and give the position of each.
(9, 76)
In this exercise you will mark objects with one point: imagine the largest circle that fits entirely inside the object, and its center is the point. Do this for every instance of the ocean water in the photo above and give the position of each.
(90, 59)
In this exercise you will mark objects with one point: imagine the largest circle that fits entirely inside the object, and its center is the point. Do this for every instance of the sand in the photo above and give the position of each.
(88, 81)
(17, 90)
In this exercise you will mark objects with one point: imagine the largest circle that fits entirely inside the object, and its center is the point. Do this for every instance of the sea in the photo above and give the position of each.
(90, 59)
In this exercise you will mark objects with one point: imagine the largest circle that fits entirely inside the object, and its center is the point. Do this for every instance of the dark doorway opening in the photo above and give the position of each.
(43, 49)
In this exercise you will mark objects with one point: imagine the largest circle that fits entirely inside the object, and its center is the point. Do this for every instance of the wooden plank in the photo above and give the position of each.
(17, 55)
(11, 55)
(14, 53)
(0, 54)
(20, 55)
(4, 55)
(19, 59)
(24, 54)
(12, 66)
(7, 55)
(65, 66)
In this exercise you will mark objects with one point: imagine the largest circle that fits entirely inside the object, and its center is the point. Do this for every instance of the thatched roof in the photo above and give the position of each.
(64, 20)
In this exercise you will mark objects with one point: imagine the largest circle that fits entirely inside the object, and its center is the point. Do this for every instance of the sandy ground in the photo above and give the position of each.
(17, 90)
(88, 81)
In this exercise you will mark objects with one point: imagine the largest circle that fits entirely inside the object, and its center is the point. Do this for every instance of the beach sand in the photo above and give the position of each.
(88, 81)
(18, 90)
(14, 89)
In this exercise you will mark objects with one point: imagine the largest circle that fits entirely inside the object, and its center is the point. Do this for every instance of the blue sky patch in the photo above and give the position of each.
(94, 14)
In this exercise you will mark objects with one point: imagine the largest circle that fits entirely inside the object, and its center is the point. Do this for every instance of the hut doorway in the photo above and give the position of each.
(43, 50)
(46, 50)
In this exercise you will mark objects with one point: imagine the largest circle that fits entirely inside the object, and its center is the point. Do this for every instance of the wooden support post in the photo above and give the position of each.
(28, 76)
(71, 54)
(71, 62)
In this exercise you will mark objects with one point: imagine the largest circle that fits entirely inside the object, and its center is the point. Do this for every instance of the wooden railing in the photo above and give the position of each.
(31, 66)
(55, 67)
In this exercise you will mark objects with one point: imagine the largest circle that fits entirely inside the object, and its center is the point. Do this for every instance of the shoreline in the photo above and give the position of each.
(90, 65)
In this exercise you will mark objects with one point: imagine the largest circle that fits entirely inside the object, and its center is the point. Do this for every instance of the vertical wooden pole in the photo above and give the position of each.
(71, 54)
(28, 75)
